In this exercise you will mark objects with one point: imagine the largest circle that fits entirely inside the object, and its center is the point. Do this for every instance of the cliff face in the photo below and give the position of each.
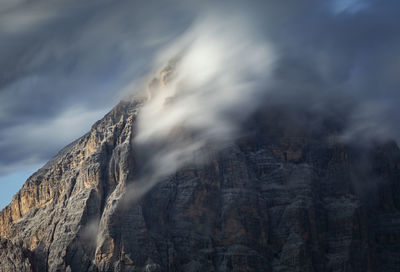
(280, 198)
(55, 212)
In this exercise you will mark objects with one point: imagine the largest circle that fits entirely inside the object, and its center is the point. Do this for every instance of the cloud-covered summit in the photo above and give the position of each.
(65, 63)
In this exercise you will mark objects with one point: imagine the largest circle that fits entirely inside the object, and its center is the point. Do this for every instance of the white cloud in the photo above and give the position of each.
(222, 67)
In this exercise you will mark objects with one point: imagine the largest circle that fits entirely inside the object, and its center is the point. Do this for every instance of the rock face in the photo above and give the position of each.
(14, 258)
(281, 198)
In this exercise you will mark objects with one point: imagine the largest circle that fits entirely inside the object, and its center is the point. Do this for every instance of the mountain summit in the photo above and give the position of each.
(284, 196)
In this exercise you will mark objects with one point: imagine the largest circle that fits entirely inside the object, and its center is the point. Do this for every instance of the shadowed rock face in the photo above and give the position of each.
(281, 198)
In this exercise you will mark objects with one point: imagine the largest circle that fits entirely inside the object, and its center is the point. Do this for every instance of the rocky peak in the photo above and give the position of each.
(280, 198)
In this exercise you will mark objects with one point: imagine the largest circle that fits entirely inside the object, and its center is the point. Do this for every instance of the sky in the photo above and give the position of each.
(64, 64)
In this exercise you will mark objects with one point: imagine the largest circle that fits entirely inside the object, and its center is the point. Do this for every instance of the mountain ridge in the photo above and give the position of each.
(279, 198)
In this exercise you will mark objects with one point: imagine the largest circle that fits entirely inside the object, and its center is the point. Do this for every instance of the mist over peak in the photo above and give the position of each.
(61, 55)
(211, 80)
(208, 82)
(255, 135)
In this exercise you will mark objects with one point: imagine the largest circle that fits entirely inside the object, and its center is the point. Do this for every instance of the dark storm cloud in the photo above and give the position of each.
(341, 52)
(63, 48)
(64, 62)
(356, 55)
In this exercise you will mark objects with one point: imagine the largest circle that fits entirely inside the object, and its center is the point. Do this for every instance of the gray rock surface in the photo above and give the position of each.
(13, 257)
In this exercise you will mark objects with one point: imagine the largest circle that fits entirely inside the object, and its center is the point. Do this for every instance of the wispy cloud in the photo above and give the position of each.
(58, 55)
(349, 6)
(214, 76)
(32, 144)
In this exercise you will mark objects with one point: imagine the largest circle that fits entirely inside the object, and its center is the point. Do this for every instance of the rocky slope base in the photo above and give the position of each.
(281, 198)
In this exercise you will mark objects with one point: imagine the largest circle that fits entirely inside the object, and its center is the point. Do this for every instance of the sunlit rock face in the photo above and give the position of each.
(283, 196)
(56, 213)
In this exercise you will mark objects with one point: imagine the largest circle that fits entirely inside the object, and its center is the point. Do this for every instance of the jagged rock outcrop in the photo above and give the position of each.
(14, 258)
(281, 198)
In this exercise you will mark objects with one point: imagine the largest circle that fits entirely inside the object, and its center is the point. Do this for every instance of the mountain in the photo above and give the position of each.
(285, 196)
